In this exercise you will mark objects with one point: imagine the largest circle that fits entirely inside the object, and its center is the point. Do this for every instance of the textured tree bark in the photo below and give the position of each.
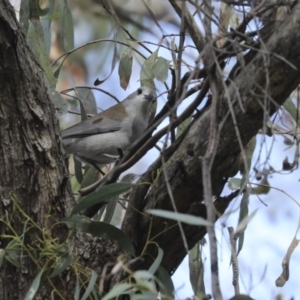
(255, 92)
(33, 169)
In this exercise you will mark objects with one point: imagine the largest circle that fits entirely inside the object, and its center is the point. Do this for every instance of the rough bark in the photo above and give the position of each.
(33, 169)
(259, 88)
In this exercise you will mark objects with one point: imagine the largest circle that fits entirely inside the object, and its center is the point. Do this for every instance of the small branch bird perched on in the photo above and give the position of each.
(100, 139)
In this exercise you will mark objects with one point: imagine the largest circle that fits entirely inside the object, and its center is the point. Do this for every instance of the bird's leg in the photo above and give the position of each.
(121, 154)
(97, 168)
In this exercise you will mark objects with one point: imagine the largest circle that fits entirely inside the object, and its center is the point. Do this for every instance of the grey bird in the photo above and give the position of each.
(104, 137)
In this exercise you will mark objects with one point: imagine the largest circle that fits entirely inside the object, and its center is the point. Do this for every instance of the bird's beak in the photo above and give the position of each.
(150, 97)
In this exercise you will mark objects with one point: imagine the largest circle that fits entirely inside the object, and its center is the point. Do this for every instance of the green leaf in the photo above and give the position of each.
(234, 183)
(77, 289)
(263, 187)
(146, 74)
(144, 279)
(165, 283)
(125, 69)
(101, 229)
(90, 176)
(60, 104)
(46, 25)
(78, 169)
(161, 68)
(12, 253)
(154, 267)
(88, 100)
(119, 289)
(196, 271)
(34, 286)
(292, 110)
(90, 285)
(243, 224)
(36, 40)
(184, 218)
(106, 193)
(249, 149)
(110, 209)
(63, 263)
(244, 210)
(67, 27)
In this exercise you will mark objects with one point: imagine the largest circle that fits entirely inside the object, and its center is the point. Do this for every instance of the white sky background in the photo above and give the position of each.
(268, 235)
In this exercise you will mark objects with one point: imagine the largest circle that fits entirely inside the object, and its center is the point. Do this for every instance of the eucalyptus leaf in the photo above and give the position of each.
(67, 26)
(110, 209)
(146, 74)
(60, 104)
(36, 40)
(160, 69)
(63, 263)
(117, 290)
(244, 210)
(292, 110)
(180, 217)
(34, 286)
(87, 99)
(106, 193)
(196, 271)
(165, 283)
(77, 289)
(125, 69)
(234, 183)
(78, 169)
(90, 286)
(155, 265)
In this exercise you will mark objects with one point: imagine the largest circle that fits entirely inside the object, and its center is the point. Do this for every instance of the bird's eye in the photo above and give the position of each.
(139, 91)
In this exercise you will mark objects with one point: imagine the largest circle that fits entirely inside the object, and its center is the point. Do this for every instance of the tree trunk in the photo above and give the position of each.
(33, 173)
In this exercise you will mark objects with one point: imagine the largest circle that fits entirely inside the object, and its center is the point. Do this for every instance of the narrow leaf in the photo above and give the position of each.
(90, 285)
(119, 289)
(78, 169)
(165, 283)
(60, 104)
(184, 218)
(88, 100)
(154, 267)
(196, 271)
(160, 69)
(125, 69)
(34, 286)
(36, 41)
(77, 289)
(67, 28)
(243, 224)
(103, 195)
(146, 74)
(63, 263)
(234, 183)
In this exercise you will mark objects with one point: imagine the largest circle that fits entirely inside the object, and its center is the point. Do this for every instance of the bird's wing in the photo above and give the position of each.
(91, 127)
